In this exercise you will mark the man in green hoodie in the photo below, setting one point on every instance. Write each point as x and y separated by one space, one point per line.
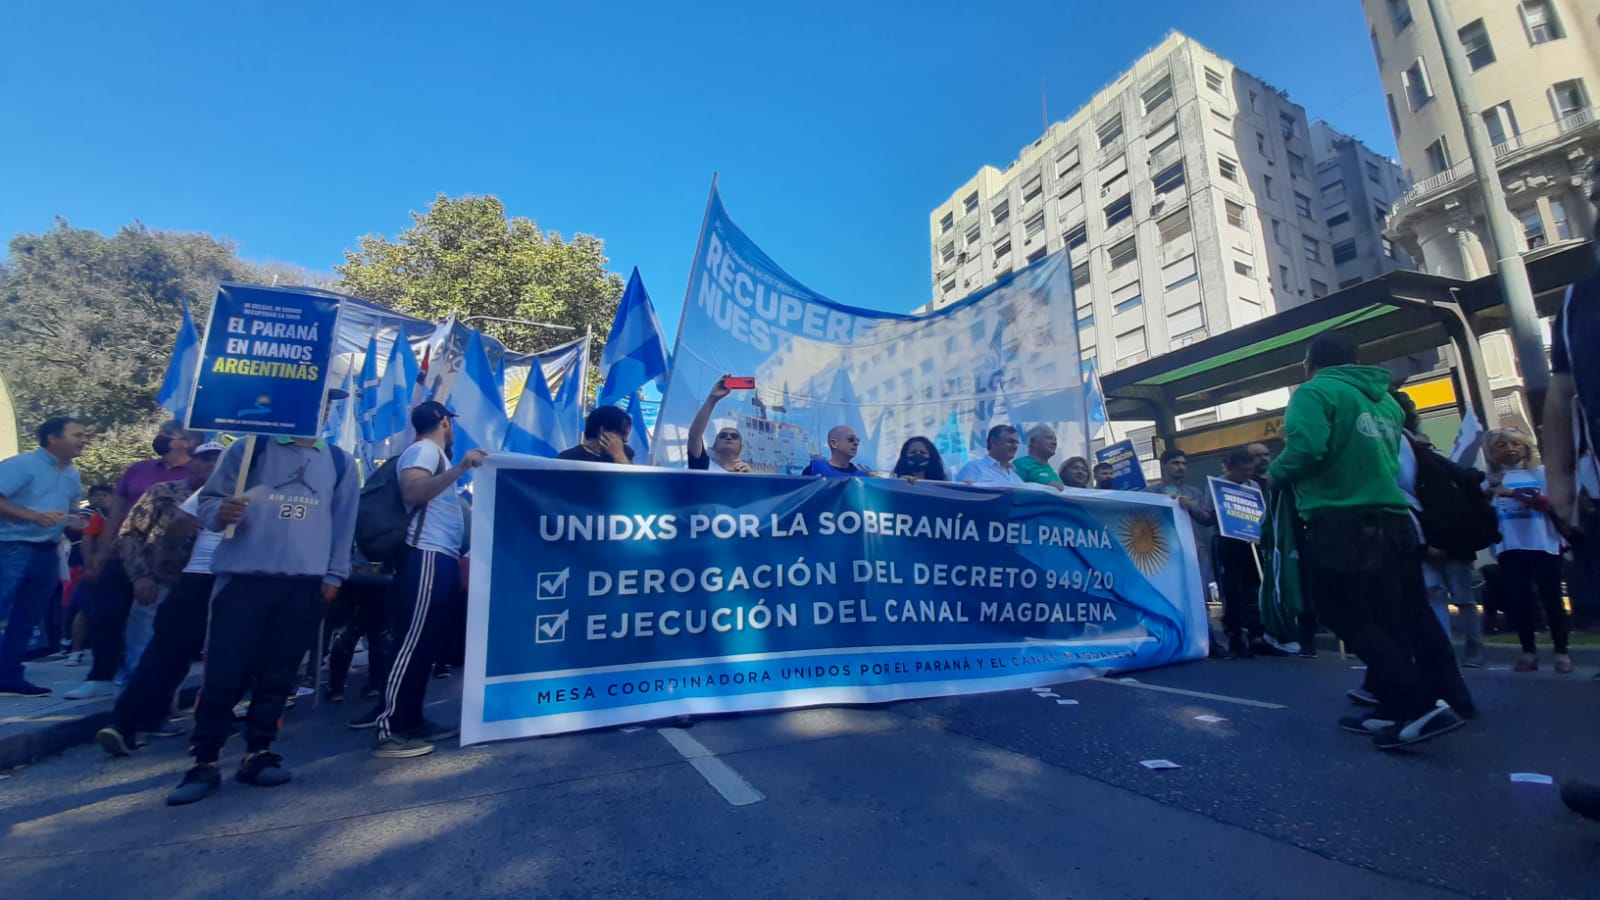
1341 455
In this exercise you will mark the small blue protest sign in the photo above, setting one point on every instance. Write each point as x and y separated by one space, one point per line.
1124 462
1241 508
264 361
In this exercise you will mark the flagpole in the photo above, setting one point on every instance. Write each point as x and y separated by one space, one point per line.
583 376
683 315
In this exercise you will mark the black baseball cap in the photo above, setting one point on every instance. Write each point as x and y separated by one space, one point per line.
427 415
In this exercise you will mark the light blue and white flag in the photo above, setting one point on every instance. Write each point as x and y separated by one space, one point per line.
569 398
392 419
477 401
639 434
177 386
369 392
538 429
636 351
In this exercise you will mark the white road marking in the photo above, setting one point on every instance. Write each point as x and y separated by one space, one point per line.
1224 698
730 784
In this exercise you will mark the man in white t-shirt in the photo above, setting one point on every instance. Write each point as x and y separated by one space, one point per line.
428 580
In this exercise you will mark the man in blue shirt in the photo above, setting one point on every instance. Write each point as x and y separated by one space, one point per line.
842 446
39 492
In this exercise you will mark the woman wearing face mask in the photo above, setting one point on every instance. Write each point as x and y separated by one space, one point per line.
1075 472
1529 549
919 461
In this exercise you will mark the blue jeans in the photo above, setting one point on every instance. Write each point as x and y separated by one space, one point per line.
30 572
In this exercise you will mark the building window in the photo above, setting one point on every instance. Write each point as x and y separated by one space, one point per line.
947 223
1400 14
1130 344
1033 188
1313 249
1119 210
974 234
1109 132
1214 81
949 287
1034 225
1067 163
1558 217
1071 198
1374 173
1000 213
1333 193
1235 213
1266 182
1131 303
1318 289
1302 203
1036 255
1086 321
1174 226
1080 276
947 252
1475 40
1297 165
1532 227
1377 50
1540 22
1169 179
1568 99
1002 248
1162 136
971 203
1419 90
1380 214
1122 254
1277 234
1283 277
1186 321
1344 251
1077 237
1340 219
1157 94
1388 248
1244 269
1394 118
1438 154
1501 123
1227 168
1286 123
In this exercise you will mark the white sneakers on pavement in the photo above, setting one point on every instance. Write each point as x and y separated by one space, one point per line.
92 690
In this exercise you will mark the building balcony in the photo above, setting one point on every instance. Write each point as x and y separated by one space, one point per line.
1521 147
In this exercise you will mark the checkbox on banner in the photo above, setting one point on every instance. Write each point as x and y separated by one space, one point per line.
550 629
553 585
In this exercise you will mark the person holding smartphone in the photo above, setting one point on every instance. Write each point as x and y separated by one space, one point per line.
1529 552
729 443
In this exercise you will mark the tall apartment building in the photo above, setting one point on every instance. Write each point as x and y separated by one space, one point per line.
1186 193
1356 188
1536 70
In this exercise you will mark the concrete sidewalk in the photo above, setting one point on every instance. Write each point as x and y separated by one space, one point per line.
32 728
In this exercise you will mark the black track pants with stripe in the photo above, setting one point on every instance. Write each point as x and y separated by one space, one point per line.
422 607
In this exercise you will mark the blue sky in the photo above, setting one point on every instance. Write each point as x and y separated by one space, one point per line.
294 127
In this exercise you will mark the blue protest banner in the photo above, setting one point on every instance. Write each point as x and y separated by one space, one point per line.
1124 462
603 595
1241 508
264 361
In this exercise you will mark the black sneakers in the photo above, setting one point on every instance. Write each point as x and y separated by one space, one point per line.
1439 720
115 742
401 746
1365 725
24 689
1361 696
263 769
1263 647
197 784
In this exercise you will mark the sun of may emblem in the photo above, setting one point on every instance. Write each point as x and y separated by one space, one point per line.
1145 542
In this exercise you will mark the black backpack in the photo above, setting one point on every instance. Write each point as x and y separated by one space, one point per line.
382 519
1457 516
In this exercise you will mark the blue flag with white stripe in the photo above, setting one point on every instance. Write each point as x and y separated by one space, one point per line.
177 386
538 429
636 350
477 401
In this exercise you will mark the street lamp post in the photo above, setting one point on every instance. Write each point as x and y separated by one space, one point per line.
1523 317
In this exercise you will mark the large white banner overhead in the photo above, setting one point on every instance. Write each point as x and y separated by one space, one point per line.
1006 355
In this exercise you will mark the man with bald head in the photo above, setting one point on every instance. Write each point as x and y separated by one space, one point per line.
1035 468
842 446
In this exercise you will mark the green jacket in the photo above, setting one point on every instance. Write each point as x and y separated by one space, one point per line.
1342 443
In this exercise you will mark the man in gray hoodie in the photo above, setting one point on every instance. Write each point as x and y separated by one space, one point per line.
295 521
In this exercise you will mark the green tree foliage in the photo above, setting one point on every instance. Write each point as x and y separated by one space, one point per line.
464 256
87 323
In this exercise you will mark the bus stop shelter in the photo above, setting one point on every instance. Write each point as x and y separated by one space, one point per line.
1389 317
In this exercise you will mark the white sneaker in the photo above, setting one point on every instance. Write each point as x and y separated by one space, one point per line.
74 658
92 690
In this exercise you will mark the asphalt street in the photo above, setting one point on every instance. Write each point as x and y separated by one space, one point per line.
1010 794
